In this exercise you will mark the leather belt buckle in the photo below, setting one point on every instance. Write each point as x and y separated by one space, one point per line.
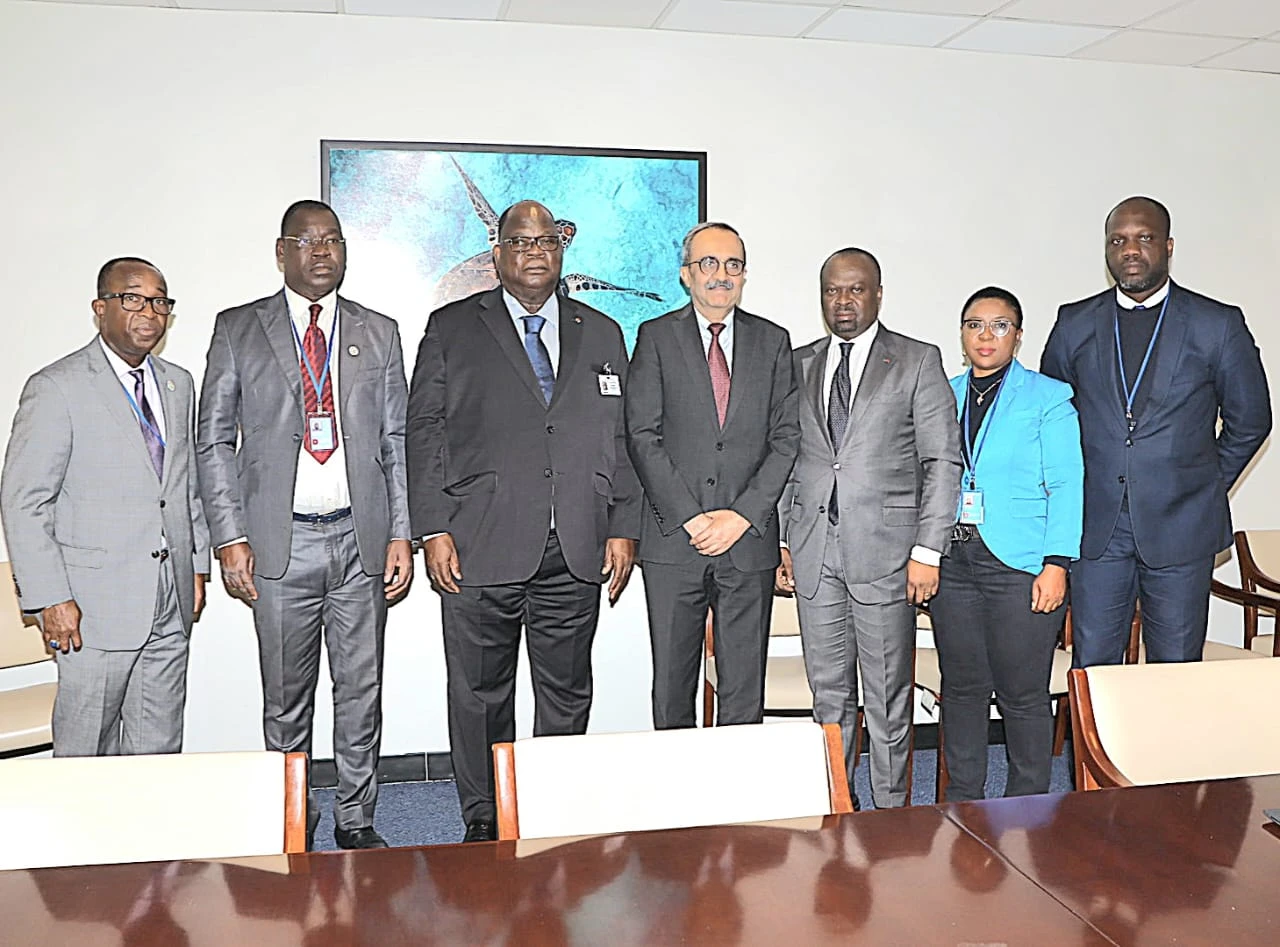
963 532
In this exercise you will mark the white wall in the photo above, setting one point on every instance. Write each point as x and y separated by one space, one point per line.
181 136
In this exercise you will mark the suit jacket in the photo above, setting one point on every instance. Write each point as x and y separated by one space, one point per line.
687 463
487 454
1176 466
1029 469
253 390
83 508
898 469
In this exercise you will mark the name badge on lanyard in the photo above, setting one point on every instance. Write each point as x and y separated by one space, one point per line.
322 426
1131 393
322 431
610 384
972 511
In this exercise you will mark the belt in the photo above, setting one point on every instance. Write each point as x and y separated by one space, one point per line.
318 518
963 532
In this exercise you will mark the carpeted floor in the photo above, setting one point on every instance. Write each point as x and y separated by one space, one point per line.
426 813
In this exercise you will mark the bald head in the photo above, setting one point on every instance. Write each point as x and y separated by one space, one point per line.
524 209
849 254
1146 206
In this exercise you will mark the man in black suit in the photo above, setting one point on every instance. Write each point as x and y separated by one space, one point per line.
520 486
713 429
1155 367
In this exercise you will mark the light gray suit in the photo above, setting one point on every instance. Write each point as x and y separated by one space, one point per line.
86 519
898 476
309 576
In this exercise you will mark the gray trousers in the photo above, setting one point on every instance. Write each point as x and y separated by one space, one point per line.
113 703
873 625
325 589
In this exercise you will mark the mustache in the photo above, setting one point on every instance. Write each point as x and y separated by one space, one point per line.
719 284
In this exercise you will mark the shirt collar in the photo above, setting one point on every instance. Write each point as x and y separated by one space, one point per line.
550 310
119 365
1155 299
704 322
865 339
300 307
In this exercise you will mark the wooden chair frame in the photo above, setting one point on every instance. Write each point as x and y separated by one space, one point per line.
1094 768
295 803
1251 596
507 796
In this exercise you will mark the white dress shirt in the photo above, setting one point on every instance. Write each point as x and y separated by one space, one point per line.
320 488
726 337
150 388
550 333
1151 302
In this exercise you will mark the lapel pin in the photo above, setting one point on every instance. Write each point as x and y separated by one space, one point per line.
353 350
888 361
577 320
169 384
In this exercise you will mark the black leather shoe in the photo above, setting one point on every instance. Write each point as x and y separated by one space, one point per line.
857 806
481 832
364 837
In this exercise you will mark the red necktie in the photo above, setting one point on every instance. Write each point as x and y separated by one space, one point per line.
316 353
719 371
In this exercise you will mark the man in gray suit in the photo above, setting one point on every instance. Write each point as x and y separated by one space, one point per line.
310 515
868 513
521 489
712 429
105 526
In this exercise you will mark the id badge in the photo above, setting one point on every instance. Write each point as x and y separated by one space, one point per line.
971 507
322 432
610 385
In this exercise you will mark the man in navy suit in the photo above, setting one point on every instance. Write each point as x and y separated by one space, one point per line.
1154 367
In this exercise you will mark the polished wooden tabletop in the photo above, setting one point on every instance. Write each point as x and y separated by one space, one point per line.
1154 865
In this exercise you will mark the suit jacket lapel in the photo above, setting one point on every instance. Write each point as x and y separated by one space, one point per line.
494 315
880 360
111 393
746 359
274 317
175 417
570 346
689 339
814 368
351 332
1168 350
1104 334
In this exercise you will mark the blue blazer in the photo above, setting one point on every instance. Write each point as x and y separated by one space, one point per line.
1030 469
1177 466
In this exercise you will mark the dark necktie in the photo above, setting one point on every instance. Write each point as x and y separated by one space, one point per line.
539 357
838 416
719 366
316 353
150 429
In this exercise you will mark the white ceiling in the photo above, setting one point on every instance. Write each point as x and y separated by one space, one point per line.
1217 34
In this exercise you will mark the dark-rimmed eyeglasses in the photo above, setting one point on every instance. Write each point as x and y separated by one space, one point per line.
135 302
997 327
315 243
709 264
547 243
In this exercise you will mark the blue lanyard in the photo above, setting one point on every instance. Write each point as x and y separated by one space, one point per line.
971 457
328 357
1131 393
133 403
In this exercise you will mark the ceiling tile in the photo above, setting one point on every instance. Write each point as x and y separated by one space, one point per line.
742 16
901 29
963 7
1093 12
1031 39
448 9
1255 57
586 12
273 6
1243 18
1170 49
122 3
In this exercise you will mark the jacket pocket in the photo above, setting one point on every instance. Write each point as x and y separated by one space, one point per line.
485 482
603 486
86 557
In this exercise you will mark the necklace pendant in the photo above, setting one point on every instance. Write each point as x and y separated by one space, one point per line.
980 397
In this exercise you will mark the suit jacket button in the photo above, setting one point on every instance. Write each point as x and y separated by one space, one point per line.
1121 479
822 509
720 445
297 437
551 428
546 472
711 481
835 466
155 554
162 504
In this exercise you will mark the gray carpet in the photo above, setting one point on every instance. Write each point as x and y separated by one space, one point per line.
427 813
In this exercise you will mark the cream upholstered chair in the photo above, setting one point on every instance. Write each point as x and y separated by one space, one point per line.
786 684
100 810
1133 725
26 711
601 783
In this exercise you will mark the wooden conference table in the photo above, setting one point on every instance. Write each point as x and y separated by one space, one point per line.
1188 864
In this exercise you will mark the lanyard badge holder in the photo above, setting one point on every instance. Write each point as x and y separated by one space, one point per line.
322 427
972 511
1131 393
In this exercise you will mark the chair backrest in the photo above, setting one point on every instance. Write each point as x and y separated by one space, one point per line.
785 622
1143 724
101 810
549 787
20 643
1259 553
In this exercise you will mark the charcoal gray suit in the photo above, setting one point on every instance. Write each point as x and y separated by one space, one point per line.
898 473
87 519
689 464
253 395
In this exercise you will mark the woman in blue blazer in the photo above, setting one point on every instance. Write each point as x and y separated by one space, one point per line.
999 605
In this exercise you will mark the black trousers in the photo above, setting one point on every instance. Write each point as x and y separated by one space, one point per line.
989 640
482 647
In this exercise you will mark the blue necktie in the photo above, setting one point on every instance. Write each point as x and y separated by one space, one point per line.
149 426
539 357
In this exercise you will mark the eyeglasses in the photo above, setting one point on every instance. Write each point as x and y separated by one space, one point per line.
133 302
997 327
709 264
315 243
547 243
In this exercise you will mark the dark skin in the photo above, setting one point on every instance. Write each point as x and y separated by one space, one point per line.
1138 248
850 292
132 336
312 273
531 277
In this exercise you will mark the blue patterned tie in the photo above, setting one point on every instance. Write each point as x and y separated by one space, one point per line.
149 427
838 417
539 357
